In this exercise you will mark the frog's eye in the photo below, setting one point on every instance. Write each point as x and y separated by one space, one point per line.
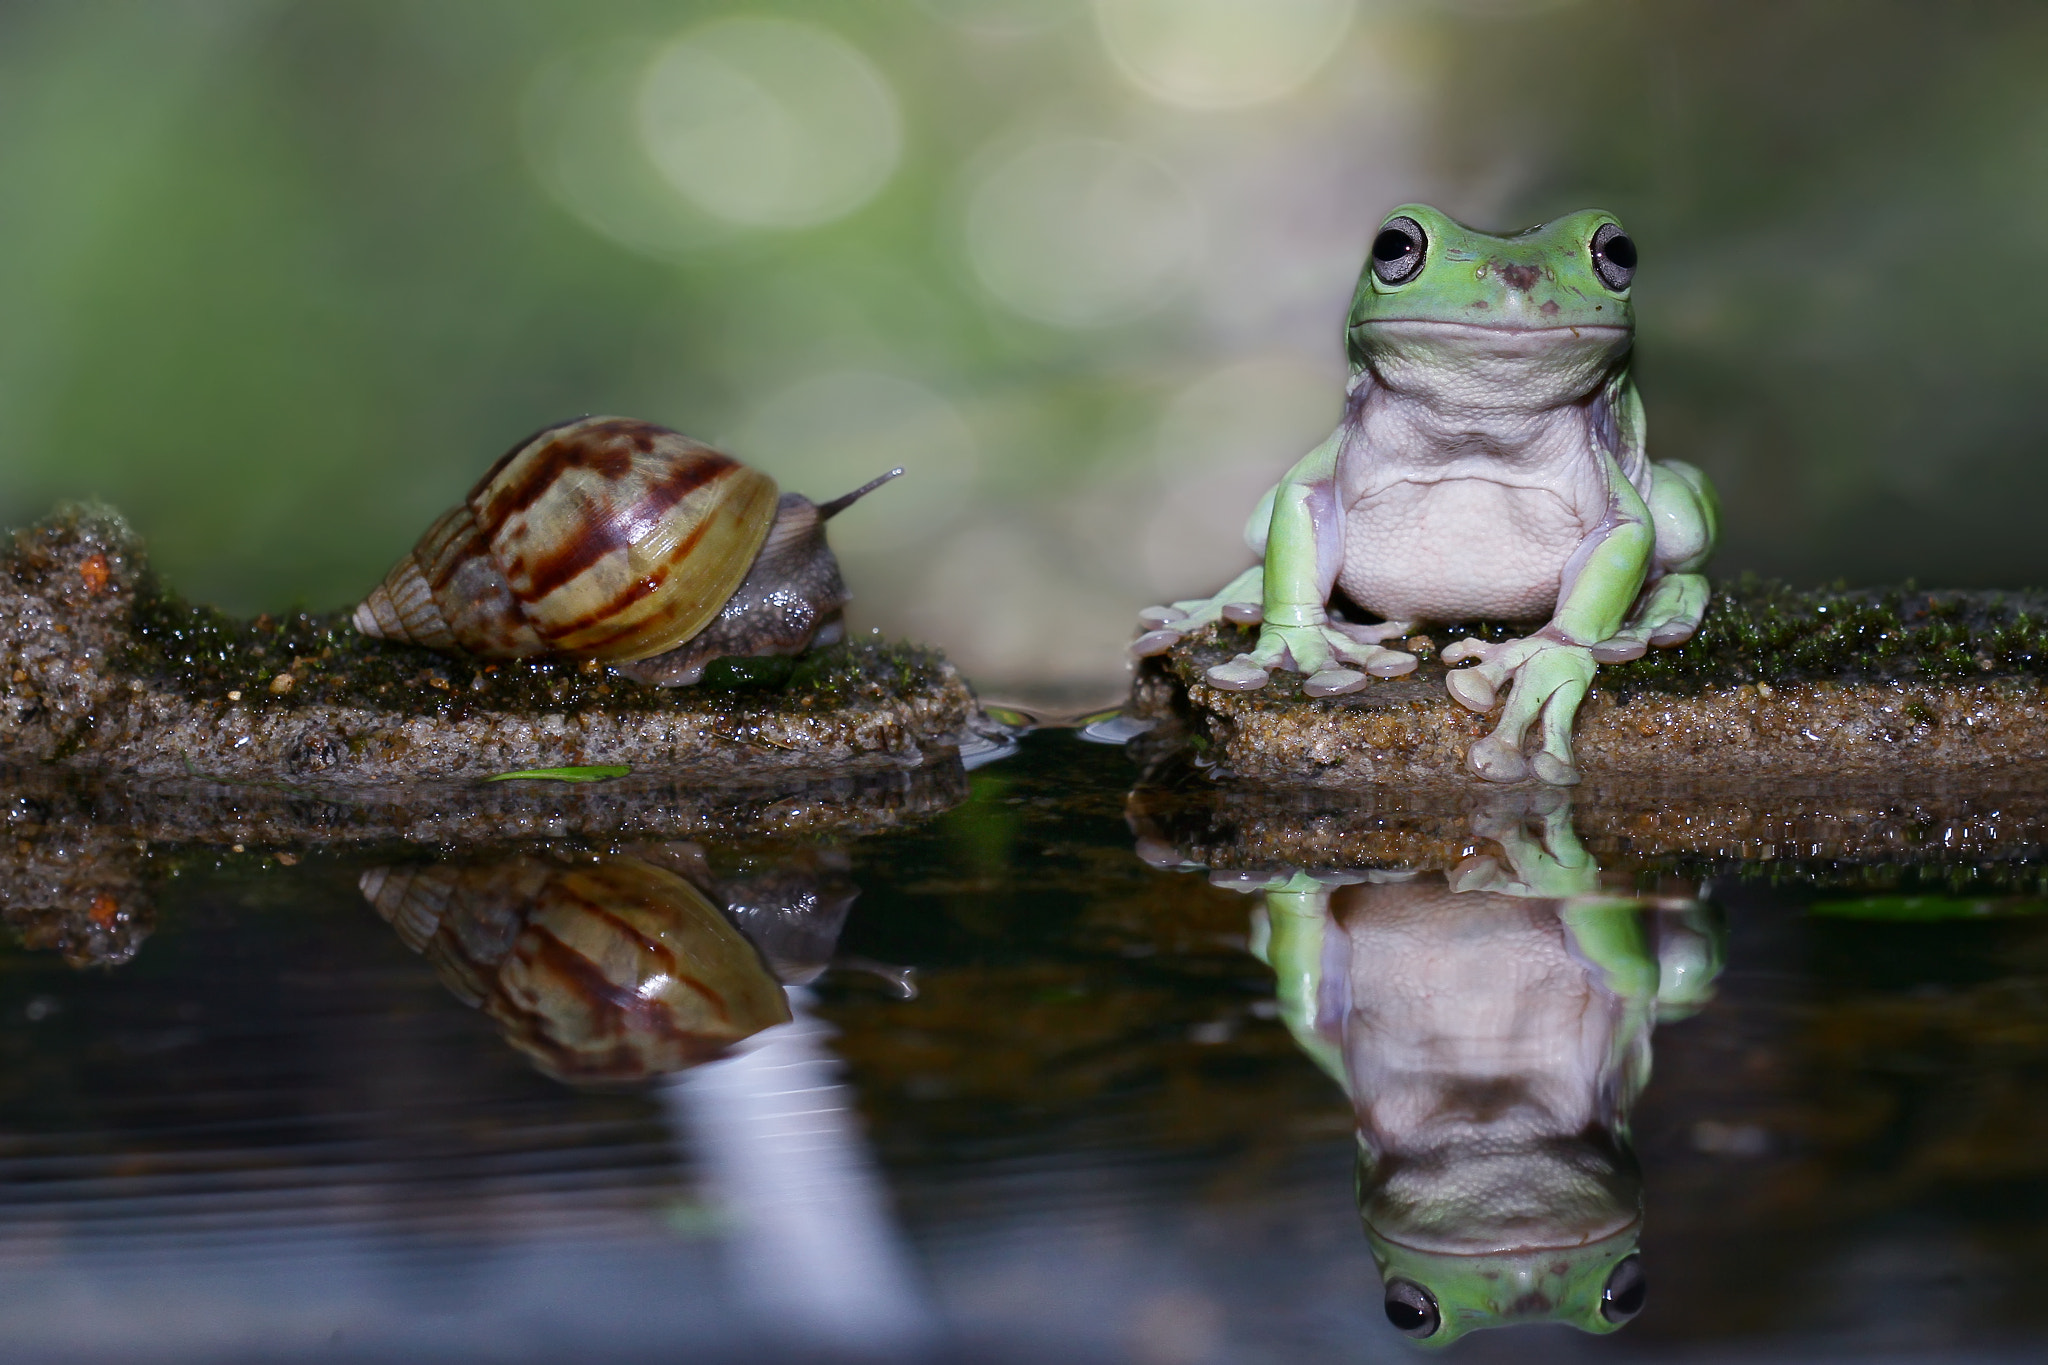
1614 257
1397 251
1627 1286
1412 1309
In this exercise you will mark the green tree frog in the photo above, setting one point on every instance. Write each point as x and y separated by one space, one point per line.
1492 1028
1489 465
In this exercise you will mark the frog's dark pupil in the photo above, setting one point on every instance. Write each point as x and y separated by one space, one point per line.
1392 245
1627 1288
1621 251
1411 1309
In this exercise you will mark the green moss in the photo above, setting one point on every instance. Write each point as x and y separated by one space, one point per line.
1758 630
1762 631
206 654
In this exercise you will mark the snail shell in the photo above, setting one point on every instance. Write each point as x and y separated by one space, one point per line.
608 971
614 539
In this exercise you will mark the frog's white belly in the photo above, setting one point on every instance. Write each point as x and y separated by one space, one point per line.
1458 549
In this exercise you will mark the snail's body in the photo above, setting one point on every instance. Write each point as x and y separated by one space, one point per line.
618 540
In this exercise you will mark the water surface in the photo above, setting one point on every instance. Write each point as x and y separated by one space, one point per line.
1036 1097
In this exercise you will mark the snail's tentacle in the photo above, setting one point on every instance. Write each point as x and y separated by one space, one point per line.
829 510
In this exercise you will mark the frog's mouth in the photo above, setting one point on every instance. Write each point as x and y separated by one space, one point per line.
1531 1243
1548 333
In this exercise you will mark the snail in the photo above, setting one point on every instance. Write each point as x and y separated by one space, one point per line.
603 971
618 540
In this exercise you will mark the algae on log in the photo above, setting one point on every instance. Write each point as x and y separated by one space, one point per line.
1777 683
102 670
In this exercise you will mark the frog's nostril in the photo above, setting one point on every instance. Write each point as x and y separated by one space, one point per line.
1522 277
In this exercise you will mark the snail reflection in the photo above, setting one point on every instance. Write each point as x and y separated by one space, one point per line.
613 968
646 966
1491 1026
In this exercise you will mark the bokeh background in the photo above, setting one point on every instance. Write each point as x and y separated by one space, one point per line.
279 279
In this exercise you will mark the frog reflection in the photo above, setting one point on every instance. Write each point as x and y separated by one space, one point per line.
618 967
1492 1027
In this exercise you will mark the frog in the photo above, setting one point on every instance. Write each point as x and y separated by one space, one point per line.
1489 465
1491 1026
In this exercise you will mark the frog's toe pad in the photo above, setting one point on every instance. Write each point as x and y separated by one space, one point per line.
1548 767
1238 676
1391 663
1471 689
1154 642
1619 651
1152 618
1672 633
1474 873
1332 682
1497 761
1244 613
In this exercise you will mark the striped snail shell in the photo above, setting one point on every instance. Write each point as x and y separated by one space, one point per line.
603 972
614 539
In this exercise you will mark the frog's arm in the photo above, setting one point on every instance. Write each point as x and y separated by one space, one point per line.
1607 933
1302 541
1553 668
1290 941
1686 516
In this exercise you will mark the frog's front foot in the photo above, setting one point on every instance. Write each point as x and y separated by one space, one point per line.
1550 677
1334 656
1667 616
1165 626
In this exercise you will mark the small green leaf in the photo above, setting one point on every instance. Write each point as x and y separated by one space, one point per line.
596 772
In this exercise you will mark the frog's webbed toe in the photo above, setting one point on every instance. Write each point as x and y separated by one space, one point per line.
1365 647
1498 759
1239 675
1332 682
1667 616
1549 680
1237 602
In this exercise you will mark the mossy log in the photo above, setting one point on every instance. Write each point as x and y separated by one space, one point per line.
102 670
1777 684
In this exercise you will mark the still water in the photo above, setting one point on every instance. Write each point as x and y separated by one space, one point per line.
1075 1059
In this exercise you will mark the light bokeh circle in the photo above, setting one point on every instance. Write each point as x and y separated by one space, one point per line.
824 434
1221 54
769 123
576 128
1082 232
1222 441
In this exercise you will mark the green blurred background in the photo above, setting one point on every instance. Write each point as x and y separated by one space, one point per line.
280 279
